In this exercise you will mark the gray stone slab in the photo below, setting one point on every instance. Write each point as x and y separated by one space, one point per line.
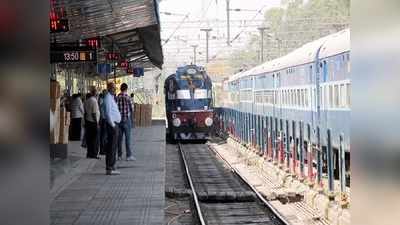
134 197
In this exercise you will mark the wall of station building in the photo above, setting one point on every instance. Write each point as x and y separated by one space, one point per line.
77 83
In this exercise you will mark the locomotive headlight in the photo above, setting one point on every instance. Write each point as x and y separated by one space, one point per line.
209 122
176 122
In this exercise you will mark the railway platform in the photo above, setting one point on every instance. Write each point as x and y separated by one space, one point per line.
136 196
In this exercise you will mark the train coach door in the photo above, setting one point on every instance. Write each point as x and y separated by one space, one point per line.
324 106
279 97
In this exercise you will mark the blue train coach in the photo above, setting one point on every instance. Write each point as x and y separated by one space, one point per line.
302 97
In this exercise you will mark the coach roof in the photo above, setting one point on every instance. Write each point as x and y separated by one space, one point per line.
331 45
337 44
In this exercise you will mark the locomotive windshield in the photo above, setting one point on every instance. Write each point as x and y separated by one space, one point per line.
190 81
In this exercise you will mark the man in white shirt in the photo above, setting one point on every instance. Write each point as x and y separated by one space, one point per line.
113 118
77 112
92 117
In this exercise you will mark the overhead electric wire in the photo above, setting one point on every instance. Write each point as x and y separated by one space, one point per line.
205 13
237 36
177 28
254 17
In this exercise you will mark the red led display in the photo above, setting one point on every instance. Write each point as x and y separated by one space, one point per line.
123 64
59 25
112 56
93 43
58 20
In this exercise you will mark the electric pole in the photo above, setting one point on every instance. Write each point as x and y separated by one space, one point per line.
228 32
194 53
262 29
207 30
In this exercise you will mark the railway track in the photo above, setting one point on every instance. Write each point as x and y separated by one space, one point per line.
219 195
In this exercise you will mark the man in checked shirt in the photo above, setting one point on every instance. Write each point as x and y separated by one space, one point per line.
125 108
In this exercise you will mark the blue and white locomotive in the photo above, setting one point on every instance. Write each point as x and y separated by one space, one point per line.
312 84
188 102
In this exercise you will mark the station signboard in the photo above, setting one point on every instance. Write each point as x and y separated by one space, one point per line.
138 71
104 68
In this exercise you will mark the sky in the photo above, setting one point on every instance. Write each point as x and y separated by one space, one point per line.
178 50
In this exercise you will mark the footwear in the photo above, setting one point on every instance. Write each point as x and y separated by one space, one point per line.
113 172
131 158
119 158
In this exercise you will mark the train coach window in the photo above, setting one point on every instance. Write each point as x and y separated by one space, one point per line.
258 97
298 98
286 98
337 96
301 98
312 103
279 100
342 96
348 95
293 97
283 97
330 104
323 96
306 97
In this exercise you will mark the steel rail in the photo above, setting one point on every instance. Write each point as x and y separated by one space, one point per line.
196 200
272 208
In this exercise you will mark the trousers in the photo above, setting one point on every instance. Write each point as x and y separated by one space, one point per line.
111 146
125 128
91 133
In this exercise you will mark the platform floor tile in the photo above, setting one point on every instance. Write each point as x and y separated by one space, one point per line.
134 197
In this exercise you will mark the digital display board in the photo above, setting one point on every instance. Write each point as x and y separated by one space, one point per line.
58 25
92 43
58 18
112 56
72 56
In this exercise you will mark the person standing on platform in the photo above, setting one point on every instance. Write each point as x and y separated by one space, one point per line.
83 143
113 118
103 124
125 108
77 112
92 117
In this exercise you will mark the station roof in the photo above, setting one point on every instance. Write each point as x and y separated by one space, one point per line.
131 27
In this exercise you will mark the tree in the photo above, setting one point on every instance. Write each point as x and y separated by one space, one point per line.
293 25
